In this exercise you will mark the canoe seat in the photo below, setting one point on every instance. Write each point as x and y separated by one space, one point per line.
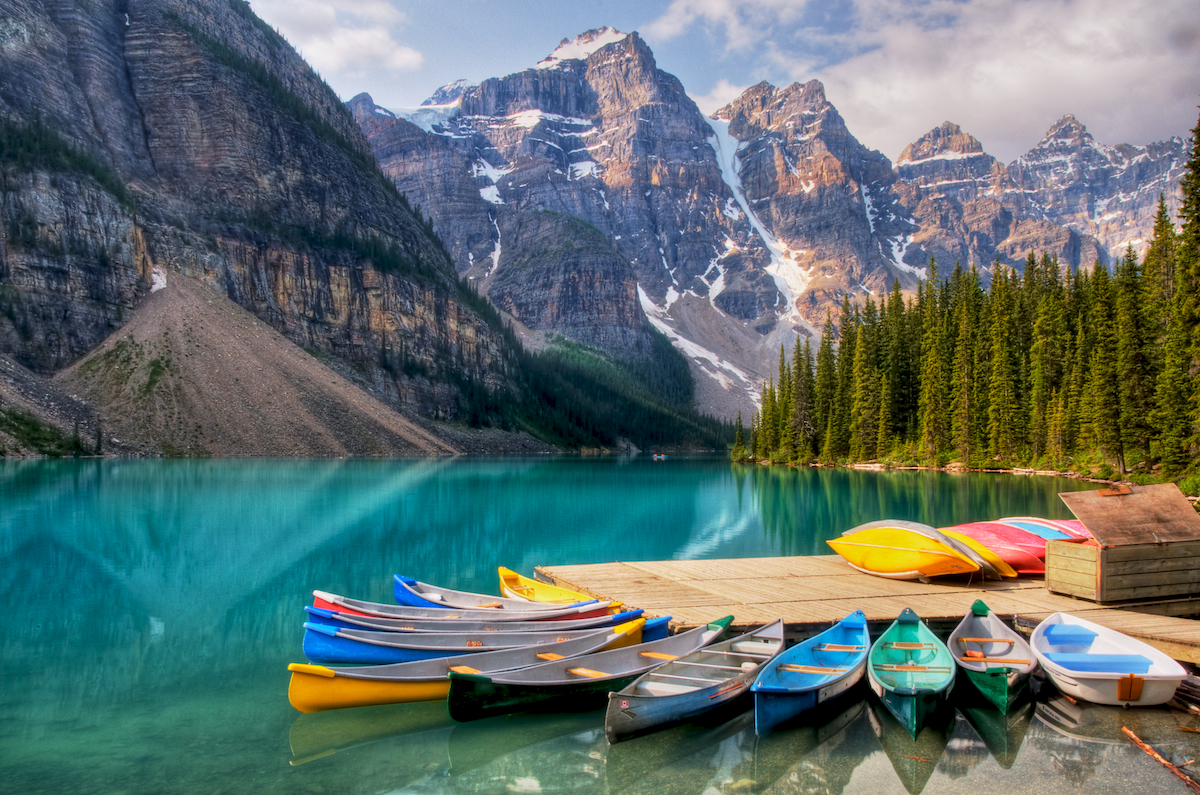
838 647
665 688
908 646
490 604
657 655
987 640
588 672
474 643
463 669
1068 635
1113 663
755 646
549 655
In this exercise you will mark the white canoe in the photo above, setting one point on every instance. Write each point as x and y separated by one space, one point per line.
1103 666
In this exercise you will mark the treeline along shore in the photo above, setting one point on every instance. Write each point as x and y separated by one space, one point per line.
1079 370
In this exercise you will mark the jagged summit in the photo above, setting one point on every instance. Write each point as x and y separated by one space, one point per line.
450 93
1068 127
582 46
946 142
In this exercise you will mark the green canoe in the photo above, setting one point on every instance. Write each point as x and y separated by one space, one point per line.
911 671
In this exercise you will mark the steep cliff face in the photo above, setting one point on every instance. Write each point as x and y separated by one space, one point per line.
191 137
968 210
1109 192
596 132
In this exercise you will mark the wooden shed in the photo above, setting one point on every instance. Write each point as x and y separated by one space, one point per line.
1147 546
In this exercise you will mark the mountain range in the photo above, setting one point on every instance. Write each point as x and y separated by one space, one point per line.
203 250
741 229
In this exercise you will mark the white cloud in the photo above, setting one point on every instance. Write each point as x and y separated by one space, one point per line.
1003 69
721 95
343 37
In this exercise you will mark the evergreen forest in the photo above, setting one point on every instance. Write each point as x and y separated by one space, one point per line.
1082 370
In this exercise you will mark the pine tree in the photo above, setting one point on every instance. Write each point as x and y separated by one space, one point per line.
738 453
1187 281
884 442
1158 269
825 391
933 370
845 379
963 387
1135 366
864 414
1106 402
1002 386
803 387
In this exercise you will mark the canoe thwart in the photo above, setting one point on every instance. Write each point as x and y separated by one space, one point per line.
987 640
588 672
908 646
463 669
810 669
886 667
657 655
657 676
838 647
549 655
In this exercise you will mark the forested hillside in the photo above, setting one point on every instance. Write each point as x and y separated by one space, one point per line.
1053 368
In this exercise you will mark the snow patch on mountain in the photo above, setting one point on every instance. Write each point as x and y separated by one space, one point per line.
713 365
429 117
582 46
790 277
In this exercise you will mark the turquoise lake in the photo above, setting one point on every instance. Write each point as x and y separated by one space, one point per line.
152 608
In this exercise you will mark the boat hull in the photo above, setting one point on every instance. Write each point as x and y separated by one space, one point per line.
472 697
411 593
1097 664
342 604
899 553
781 694
1003 689
312 690
659 699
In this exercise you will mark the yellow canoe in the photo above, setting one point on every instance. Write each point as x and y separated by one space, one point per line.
984 552
315 688
900 554
515 586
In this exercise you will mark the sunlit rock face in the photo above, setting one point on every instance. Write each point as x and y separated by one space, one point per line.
204 144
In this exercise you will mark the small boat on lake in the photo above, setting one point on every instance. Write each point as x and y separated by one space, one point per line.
811 673
516 586
413 593
688 686
343 604
1103 666
314 688
570 685
335 618
325 644
993 656
901 551
911 671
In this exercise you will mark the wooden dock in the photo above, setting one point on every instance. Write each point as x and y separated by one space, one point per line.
810 593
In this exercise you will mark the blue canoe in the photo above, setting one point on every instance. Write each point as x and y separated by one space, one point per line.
811 673
325 644
335 618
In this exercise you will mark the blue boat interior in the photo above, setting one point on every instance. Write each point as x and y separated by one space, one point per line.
1069 635
1042 531
1103 663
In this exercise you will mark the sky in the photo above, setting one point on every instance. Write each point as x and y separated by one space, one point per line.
1004 70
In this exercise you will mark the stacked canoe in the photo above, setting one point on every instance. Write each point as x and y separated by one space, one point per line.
490 656
1008 547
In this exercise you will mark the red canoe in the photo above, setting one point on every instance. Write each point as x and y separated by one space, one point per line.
1020 549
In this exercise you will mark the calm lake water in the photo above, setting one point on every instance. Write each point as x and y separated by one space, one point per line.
152 608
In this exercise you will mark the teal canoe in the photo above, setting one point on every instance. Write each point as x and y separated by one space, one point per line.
911 671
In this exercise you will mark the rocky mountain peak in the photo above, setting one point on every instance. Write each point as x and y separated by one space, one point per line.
582 46
449 93
799 110
1068 128
945 142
